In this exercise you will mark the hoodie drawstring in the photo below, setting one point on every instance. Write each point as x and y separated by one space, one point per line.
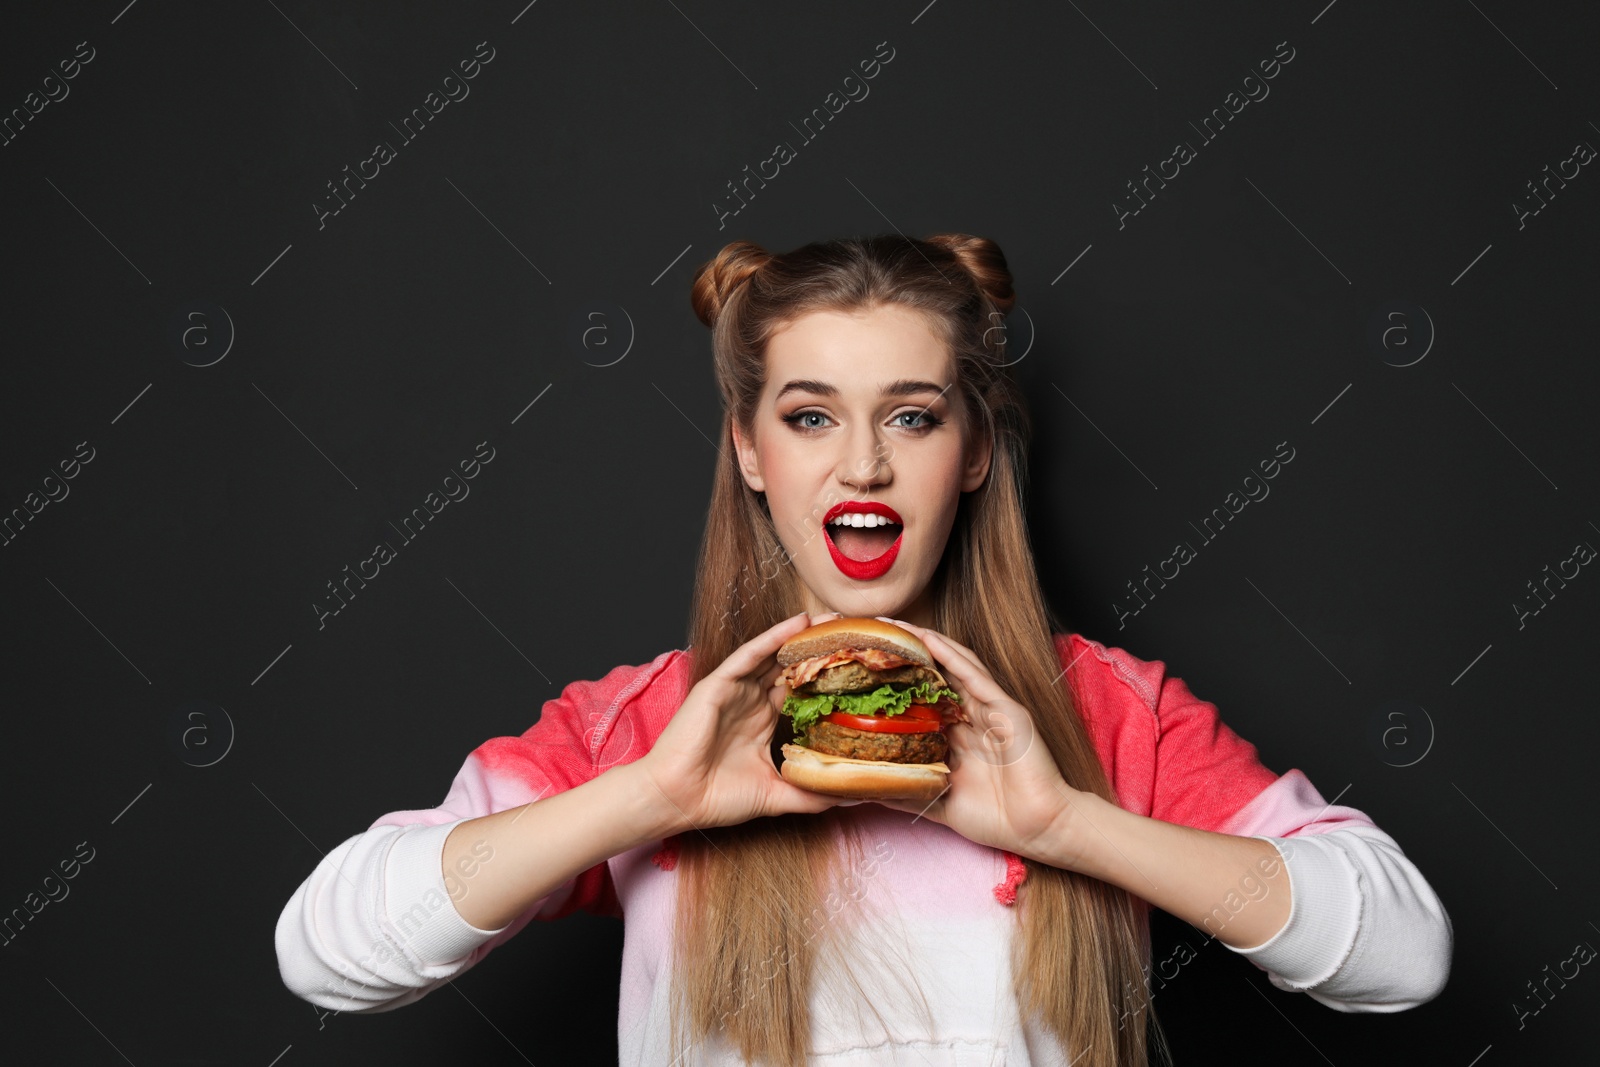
666 856
1016 872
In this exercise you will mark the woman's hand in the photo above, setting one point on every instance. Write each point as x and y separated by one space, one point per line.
712 764
1005 788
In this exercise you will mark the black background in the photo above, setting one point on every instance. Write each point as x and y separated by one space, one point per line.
373 352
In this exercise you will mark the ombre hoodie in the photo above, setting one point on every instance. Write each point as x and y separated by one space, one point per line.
373 928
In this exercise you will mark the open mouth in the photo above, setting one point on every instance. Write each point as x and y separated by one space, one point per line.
864 537
864 542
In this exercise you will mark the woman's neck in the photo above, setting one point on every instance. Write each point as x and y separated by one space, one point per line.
919 612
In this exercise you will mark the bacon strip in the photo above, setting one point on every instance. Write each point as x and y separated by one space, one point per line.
807 669
879 660
798 674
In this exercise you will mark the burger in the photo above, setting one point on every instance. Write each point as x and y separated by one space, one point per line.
869 712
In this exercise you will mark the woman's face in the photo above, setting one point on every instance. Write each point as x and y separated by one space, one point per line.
860 414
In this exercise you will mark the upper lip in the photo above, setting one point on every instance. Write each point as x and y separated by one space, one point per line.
865 507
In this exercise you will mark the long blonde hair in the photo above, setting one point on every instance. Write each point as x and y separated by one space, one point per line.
747 893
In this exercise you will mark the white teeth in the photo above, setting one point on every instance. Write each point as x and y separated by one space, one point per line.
861 518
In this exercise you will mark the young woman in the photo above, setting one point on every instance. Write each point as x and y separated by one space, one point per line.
1007 921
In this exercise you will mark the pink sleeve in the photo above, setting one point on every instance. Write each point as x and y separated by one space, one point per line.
374 927
1166 744
1205 773
1365 932
1168 754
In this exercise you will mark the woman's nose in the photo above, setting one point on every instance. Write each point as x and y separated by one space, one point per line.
866 466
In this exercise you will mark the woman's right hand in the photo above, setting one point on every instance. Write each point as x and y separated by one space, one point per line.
712 765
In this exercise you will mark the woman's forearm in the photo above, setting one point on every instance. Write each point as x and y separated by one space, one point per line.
497 866
1233 888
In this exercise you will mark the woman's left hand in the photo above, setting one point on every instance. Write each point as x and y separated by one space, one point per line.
1005 788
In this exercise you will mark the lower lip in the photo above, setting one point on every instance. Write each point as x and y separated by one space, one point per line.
864 570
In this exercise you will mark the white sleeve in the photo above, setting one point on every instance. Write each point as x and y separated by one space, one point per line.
1366 932
373 926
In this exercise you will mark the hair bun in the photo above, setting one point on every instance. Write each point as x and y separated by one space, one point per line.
983 260
717 278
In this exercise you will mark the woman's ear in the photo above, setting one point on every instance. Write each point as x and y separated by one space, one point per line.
976 467
749 462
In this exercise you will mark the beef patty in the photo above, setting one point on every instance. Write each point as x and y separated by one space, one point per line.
853 677
928 746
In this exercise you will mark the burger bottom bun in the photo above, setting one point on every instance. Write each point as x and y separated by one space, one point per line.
863 779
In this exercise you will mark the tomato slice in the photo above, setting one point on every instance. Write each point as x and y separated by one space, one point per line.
898 724
921 711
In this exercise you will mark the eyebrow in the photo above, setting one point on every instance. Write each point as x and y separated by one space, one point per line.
898 387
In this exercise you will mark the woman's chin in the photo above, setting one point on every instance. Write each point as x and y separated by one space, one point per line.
892 594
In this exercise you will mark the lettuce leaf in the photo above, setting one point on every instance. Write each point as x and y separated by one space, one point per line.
887 699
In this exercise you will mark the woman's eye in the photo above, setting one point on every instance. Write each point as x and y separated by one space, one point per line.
918 421
924 421
799 419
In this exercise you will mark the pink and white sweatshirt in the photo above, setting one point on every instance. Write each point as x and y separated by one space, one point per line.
373 927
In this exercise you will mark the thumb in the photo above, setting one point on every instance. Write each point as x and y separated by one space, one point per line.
793 798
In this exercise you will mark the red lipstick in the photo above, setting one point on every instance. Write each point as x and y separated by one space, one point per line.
863 570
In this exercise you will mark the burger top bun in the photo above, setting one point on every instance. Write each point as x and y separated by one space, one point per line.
835 634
